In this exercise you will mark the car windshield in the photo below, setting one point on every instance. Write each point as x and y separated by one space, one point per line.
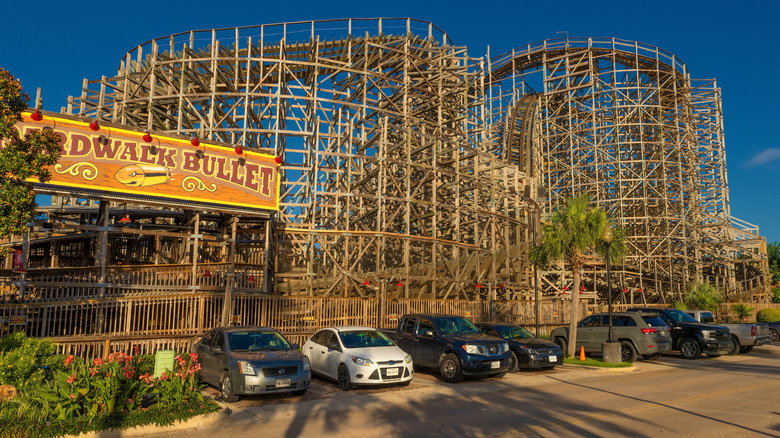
513 332
251 340
364 338
679 316
454 324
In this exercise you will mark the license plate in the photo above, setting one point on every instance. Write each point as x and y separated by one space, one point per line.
392 371
553 359
495 364
283 383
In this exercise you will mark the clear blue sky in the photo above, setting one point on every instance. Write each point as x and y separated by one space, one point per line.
55 44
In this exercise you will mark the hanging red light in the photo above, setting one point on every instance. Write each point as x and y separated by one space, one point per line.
365 282
125 220
37 116
278 159
94 126
478 286
207 274
565 288
147 137
582 289
238 150
251 278
195 141
399 284
625 290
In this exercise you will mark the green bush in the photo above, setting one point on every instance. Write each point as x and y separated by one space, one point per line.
27 361
742 311
703 296
679 305
768 315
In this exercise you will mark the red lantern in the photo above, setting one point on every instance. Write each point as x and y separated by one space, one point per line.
251 278
565 288
94 125
365 282
238 150
399 284
625 290
478 286
36 116
278 159
195 141
147 137
207 274
125 220
639 290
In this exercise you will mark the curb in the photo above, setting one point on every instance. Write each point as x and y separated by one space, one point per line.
630 369
203 421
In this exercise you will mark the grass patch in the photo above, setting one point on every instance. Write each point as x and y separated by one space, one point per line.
594 362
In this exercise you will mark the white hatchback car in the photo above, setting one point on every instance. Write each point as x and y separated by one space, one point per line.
356 355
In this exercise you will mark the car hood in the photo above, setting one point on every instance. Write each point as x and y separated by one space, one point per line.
377 354
532 343
702 326
267 356
475 337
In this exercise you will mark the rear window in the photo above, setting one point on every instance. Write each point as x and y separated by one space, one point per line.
654 321
706 317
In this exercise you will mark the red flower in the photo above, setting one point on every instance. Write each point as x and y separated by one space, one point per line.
98 361
194 357
68 360
72 378
136 350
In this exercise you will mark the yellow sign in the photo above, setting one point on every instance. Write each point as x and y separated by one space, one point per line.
119 160
17 320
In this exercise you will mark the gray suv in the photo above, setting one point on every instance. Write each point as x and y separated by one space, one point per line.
638 333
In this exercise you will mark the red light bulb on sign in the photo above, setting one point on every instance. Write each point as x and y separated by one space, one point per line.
278 159
36 116
147 137
94 125
238 150
195 141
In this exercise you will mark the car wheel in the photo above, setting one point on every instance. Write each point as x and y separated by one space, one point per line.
653 356
689 349
226 387
627 352
345 383
735 346
775 335
299 392
450 369
562 343
513 364
746 349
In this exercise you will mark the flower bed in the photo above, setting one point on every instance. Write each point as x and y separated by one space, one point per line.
60 395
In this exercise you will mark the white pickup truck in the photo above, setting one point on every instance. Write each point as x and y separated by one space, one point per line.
743 336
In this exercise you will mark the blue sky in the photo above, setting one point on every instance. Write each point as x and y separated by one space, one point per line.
55 44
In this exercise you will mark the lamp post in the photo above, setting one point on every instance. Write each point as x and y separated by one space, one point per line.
382 292
607 236
540 195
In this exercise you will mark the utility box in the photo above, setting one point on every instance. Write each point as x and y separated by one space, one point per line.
163 361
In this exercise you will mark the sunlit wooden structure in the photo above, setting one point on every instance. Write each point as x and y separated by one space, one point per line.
406 160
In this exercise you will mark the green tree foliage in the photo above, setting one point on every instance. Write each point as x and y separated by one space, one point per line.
569 236
21 158
768 315
773 253
703 296
742 311
679 305
776 294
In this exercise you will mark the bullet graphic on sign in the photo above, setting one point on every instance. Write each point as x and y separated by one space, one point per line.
142 175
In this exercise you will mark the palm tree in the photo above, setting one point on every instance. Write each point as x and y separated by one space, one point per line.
570 235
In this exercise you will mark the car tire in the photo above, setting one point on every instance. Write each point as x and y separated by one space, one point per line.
628 352
563 344
513 365
690 349
746 349
653 356
735 346
449 368
345 383
299 392
226 388
775 335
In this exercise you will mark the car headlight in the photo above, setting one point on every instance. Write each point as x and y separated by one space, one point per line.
246 368
306 364
528 350
471 349
408 358
708 334
362 361
504 347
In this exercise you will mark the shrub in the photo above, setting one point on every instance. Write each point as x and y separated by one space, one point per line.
768 315
679 305
27 361
742 311
776 294
704 296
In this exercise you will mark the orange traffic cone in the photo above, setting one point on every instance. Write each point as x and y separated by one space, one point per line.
582 353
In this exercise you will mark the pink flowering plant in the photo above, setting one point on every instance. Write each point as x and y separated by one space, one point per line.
182 382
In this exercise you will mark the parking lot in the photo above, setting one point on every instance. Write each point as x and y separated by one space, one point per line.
728 396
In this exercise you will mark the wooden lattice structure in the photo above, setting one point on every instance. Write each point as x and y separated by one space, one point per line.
406 159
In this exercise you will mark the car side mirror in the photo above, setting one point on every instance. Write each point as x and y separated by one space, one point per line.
216 349
295 346
333 346
427 332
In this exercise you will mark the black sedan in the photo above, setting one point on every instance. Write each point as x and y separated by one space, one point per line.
527 350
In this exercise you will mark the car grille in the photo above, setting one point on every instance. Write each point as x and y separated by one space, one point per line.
280 371
402 372
391 362
548 351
